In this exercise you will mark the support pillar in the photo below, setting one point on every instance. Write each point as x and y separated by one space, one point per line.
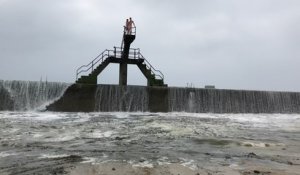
123 74
128 39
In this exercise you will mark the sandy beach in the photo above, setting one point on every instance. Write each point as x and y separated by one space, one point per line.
114 168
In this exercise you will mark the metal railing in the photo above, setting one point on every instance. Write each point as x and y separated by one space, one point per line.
158 74
131 31
134 53
91 65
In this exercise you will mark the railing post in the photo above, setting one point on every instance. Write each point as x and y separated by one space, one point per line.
134 53
92 65
115 51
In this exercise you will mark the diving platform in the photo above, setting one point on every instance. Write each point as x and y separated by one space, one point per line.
124 55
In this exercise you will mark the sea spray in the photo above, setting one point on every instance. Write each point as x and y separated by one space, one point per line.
29 95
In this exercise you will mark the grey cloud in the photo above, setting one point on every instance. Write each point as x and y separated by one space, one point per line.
232 44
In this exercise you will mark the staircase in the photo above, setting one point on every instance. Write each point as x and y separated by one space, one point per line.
96 66
152 78
91 78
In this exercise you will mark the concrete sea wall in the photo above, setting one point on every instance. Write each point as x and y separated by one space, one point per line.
87 98
26 95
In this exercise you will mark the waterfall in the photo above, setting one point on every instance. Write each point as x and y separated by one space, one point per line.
29 95
232 101
191 102
88 98
136 98
121 98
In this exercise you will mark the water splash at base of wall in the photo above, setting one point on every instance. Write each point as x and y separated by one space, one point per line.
29 95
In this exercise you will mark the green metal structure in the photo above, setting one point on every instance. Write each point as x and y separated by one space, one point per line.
124 55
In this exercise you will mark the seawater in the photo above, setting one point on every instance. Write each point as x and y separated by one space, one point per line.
51 142
35 142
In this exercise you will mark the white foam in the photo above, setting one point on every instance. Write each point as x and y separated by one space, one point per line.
6 154
48 116
143 164
100 134
41 116
259 144
186 114
91 160
62 138
80 117
120 114
52 156
163 161
174 130
105 155
287 122
37 135
234 166
189 163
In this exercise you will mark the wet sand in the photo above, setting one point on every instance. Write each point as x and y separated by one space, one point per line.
115 168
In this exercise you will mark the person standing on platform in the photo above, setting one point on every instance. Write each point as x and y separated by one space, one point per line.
129 25
126 26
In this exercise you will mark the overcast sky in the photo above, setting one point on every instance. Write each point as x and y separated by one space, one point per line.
232 44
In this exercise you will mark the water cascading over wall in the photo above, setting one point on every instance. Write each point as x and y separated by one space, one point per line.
121 98
88 98
26 95
232 101
29 95
91 98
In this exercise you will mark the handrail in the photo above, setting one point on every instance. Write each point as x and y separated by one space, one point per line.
134 53
132 32
158 74
92 63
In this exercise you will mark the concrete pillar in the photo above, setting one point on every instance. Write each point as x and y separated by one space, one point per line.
128 39
158 99
123 74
